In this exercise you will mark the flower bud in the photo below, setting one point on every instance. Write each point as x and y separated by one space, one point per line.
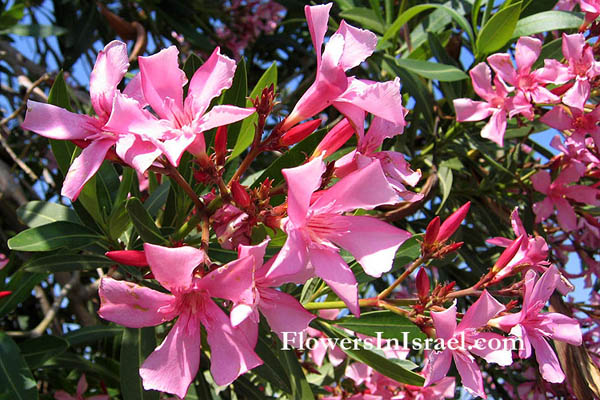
299 132
135 258
423 285
239 194
508 254
5 293
335 138
432 230
221 144
452 223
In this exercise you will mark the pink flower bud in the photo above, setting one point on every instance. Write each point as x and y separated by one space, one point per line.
221 144
334 139
423 284
452 223
508 254
299 132
135 258
5 293
432 230
239 194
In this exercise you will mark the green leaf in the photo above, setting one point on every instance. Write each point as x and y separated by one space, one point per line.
37 213
66 262
300 387
271 369
107 186
21 284
191 65
125 185
92 334
546 21
118 221
16 380
105 369
143 222
430 70
377 362
445 179
39 31
137 344
157 198
386 324
413 11
498 30
365 17
37 351
59 93
53 236
12 16
235 96
246 134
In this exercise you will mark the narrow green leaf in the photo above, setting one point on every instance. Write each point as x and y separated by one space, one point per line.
59 93
235 96
105 369
66 262
125 185
137 344
35 30
92 334
21 284
191 65
430 70
12 16
107 186
37 351
37 213
271 369
16 380
386 324
445 179
300 387
157 198
143 222
498 30
53 236
546 21
365 17
377 362
118 221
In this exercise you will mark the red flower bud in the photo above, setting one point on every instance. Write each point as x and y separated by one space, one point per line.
432 230
239 194
335 138
423 285
221 145
135 258
508 254
299 132
5 293
560 90
452 223
450 248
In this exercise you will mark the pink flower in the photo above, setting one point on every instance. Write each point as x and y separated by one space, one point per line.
557 193
534 328
3 260
316 229
54 122
173 365
497 104
82 386
182 122
576 121
467 332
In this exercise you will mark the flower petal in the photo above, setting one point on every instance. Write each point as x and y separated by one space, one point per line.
84 167
438 364
290 263
57 123
358 45
470 374
546 358
173 267
485 308
317 18
564 328
527 52
283 312
111 66
220 116
233 281
445 322
468 110
302 181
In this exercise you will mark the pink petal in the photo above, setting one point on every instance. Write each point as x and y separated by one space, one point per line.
354 115
240 313
132 305
222 115
529 285
578 94
564 328
568 175
546 358
174 148
583 194
572 46
136 152
231 355
372 242
82 385
516 223
379 130
173 365
162 80
445 322
503 66
438 365
495 128
545 286
290 262
527 52
481 76
501 356
468 110
283 312
558 118
233 281
214 76
257 252
62 395
365 188
332 268
57 123
134 90
173 267
470 374
317 18
302 181
358 372
110 68
128 117
541 181
554 72
84 167
543 209
358 45
567 219
484 309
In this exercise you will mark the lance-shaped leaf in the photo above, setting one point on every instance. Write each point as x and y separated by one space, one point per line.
16 380
53 236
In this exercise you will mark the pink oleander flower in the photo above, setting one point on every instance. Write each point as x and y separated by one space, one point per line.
82 386
397 171
528 83
575 121
566 5
581 66
182 121
577 153
283 312
54 122
316 228
535 328
497 104
173 365
558 192
591 9
3 261
467 332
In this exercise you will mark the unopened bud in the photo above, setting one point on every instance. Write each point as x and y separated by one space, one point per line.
423 285
335 138
508 254
239 194
447 289
449 249
134 258
452 223
299 132
221 144
432 230
5 293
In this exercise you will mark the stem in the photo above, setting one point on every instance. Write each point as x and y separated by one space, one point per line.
331 305
174 174
245 164
401 278
188 226
205 232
